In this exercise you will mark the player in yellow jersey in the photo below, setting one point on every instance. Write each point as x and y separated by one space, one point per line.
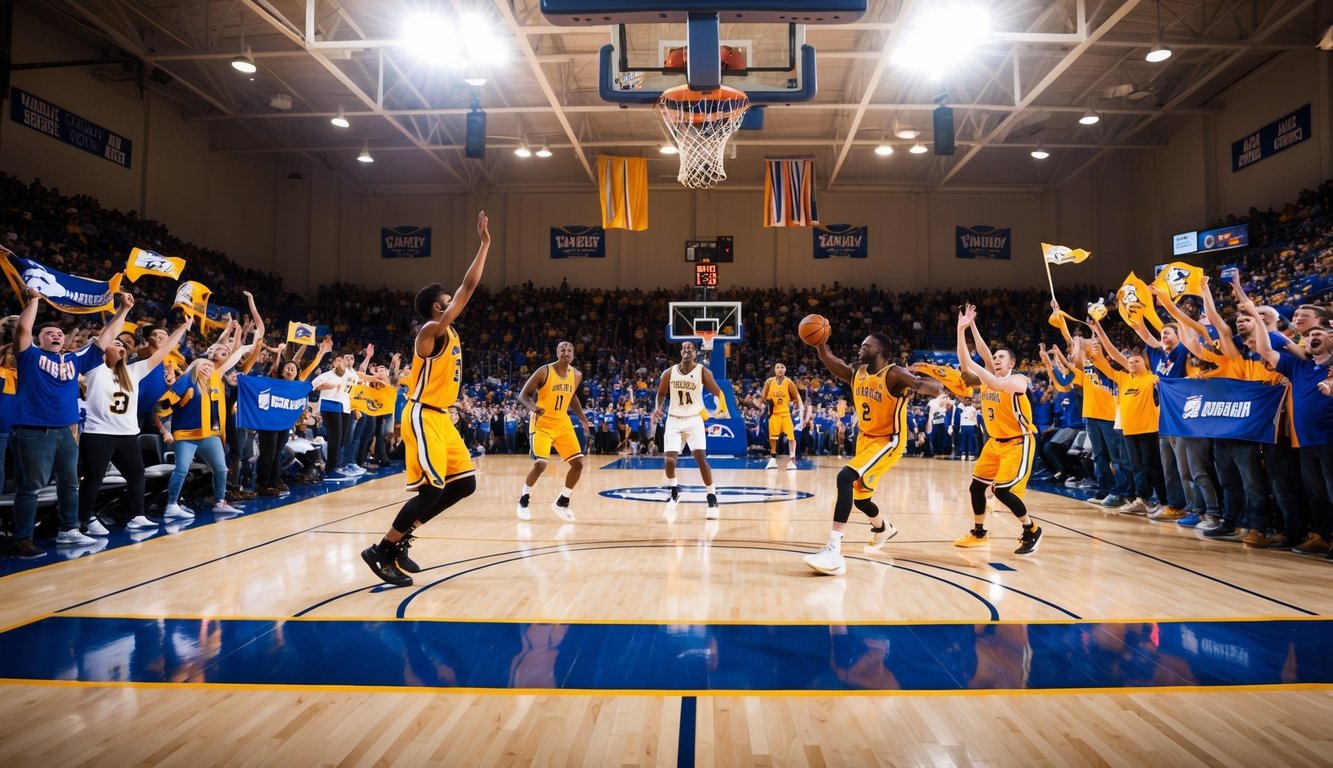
439 467
551 393
784 405
879 397
1005 462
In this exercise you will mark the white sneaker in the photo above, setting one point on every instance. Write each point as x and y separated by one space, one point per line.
140 523
1135 507
772 464
791 465
354 469
95 528
877 538
177 512
564 513
74 537
713 512
827 561
522 509
223 508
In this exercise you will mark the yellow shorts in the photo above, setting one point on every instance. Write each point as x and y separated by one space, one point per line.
434 450
874 456
563 439
779 425
1007 463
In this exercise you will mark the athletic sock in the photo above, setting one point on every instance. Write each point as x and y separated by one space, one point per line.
835 541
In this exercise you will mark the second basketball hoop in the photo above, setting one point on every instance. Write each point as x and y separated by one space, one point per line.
700 123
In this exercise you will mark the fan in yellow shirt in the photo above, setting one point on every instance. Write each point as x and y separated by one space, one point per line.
1138 401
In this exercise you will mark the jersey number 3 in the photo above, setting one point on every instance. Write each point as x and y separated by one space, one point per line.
120 403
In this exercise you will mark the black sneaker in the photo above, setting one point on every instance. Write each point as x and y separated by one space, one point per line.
384 567
404 562
24 548
522 510
675 494
714 511
1029 541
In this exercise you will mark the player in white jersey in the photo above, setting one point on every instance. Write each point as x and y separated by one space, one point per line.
682 386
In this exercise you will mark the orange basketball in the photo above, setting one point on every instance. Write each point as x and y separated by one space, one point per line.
814 330
675 59
733 59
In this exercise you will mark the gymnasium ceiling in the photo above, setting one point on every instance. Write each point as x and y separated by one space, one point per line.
1045 63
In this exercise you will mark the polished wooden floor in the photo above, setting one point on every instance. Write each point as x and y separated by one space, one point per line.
624 560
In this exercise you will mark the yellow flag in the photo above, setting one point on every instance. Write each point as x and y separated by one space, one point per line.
144 262
1180 279
1134 301
372 400
300 333
623 186
175 360
950 377
1097 310
1059 254
192 298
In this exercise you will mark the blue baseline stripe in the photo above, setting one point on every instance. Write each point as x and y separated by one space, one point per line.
689 712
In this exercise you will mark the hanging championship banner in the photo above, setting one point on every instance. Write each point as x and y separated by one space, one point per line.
841 241
63 125
575 241
1228 408
404 242
981 242
1283 133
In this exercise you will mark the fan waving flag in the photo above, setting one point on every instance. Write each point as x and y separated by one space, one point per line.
144 262
623 184
1136 303
271 405
1059 254
300 333
192 298
1180 279
789 193
67 293
950 377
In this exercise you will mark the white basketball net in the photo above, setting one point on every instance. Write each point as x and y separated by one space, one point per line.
700 125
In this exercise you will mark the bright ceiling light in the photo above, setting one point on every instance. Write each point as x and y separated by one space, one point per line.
1039 154
523 150
545 151
365 157
883 150
1090 118
339 120
668 149
918 149
941 36
245 62
906 134
1158 53
481 41
430 38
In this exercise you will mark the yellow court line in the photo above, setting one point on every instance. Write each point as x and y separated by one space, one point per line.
26 622
708 693
674 622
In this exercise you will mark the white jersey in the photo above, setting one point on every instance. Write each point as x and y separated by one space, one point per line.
685 392
967 415
337 399
110 410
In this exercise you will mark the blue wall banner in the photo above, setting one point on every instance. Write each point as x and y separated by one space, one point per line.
1283 133
63 125
982 242
404 242
842 241
1241 410
574 241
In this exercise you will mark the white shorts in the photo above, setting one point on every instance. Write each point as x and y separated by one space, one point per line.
688 430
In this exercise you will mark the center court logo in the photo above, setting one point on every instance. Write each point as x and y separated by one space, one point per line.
720 430
696 494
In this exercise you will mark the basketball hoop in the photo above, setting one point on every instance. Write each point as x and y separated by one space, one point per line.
700 123
706 339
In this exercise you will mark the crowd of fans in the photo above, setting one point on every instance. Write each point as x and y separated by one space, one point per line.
619 339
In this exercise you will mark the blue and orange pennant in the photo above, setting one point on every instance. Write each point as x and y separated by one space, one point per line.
789 192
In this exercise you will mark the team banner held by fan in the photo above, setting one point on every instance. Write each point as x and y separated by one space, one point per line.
67 293
950 377
1180 279
372 400
144 262
622 183
1135 303
841 241
216 317
1225 408
982 242
1060 254
789 192
574 241
300 333
192 298
271 405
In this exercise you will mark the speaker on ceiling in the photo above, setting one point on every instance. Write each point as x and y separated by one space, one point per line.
476 134
943 130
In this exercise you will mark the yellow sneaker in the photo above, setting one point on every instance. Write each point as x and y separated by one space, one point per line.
973 540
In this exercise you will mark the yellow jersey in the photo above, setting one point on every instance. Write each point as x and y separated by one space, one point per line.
434 380
1139 402
554 396
1098 394
780 395
879 413
1007 414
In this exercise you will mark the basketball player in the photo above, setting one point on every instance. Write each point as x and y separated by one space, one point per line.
439 468
682 386
550 393
879 399
783 400
1005 462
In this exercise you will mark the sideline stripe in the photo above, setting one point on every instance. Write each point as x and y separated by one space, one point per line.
689 707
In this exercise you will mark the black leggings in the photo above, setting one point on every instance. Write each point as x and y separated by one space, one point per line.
270 457
335 425
431 501
98 451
